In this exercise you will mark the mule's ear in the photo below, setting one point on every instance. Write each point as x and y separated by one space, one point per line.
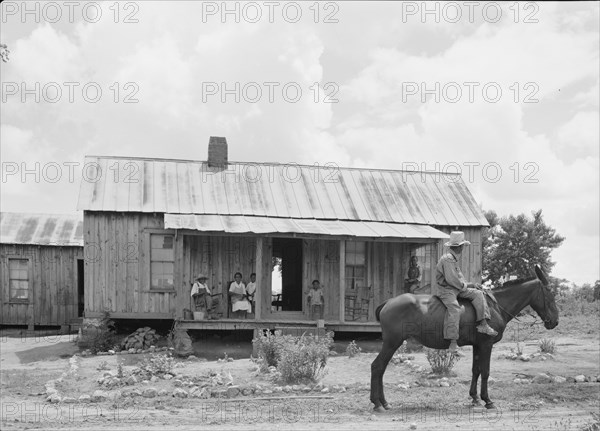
540 274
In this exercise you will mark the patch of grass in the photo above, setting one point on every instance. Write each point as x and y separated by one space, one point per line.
547 345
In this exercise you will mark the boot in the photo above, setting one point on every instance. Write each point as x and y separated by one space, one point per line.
486 329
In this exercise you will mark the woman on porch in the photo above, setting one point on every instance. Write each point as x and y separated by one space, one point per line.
240 305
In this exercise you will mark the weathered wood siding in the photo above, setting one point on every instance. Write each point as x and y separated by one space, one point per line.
52 285
117 265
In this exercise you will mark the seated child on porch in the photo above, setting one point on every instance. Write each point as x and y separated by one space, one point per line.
240 305
316 300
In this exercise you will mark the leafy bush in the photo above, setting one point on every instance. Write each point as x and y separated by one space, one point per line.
269 347
304 359
142 338
547 345
100 334
352 349
441 361
157 364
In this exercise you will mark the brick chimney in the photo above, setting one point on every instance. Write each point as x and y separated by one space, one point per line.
217 152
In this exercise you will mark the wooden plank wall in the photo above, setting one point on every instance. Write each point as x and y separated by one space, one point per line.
52 284
117 265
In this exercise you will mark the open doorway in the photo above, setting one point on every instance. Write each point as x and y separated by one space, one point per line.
286 278
80 289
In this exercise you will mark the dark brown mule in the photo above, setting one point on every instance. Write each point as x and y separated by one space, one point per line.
422 317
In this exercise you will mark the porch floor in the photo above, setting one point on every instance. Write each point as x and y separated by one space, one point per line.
251 324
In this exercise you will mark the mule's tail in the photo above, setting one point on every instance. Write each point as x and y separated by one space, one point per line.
378 310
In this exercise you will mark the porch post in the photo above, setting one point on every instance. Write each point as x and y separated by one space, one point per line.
342 286
259 278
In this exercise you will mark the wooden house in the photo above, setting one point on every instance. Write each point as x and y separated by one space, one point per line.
41 261
153 224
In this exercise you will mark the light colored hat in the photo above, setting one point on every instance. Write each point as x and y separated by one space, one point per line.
200 276
457 238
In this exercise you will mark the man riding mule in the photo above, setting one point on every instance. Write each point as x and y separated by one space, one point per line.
452 285
422 317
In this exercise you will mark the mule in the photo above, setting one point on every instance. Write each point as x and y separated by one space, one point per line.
422 317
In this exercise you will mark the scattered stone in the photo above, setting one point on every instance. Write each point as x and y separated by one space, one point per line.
178 383
99 396
333 353
111 352
559 379
306 389
131 380
524 358
229 359
167 376
233 391
84 399
69 400
580 378
149 393
542 378
295 388
139 351
517 381
54 398
180 393
192 357
570 379
445 384
287 389
154 379
267 391
162 393
247 391
325 390
589 378
131 351
277 389
342 389
135 393
145 382
258 392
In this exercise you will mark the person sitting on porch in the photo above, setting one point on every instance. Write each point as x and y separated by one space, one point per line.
240 305
251 289
414 275
201 295
316 300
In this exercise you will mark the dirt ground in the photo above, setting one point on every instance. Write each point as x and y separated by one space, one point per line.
28 363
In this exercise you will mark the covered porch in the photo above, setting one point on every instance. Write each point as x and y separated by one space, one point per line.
359 265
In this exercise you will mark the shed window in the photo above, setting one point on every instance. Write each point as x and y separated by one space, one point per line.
18 279
161 261
356 264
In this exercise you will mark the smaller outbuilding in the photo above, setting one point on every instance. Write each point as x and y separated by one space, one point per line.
42 264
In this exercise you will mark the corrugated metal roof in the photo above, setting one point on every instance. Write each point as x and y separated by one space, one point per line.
277 190
41 229
274 225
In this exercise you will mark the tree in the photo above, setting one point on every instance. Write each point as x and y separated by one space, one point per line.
4 52
514 244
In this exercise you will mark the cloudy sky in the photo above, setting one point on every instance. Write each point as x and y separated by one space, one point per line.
510 96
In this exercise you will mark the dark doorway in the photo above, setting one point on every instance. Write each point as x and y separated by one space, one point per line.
287 254
80 289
